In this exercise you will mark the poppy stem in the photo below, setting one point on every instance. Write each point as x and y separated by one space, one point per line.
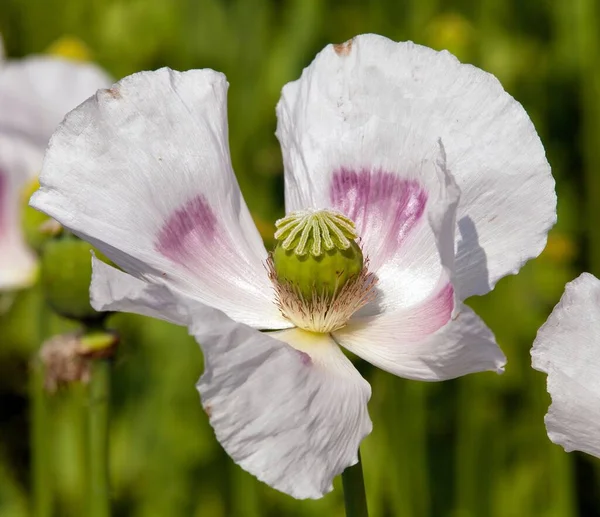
98 417
41 444
355 498
41 433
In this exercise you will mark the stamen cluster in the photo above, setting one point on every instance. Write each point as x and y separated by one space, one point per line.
322 312
317 230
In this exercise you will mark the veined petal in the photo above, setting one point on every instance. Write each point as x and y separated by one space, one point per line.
293 416
409 345
143 172
17 159
421 263
567 348
37 92
435 338
114 290
354 109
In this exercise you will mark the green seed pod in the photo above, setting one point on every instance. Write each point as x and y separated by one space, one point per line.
65 273
316 253
324 274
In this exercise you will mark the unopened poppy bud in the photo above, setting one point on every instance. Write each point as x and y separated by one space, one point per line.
66 272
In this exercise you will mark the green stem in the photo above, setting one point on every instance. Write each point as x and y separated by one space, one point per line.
416 398
41 451
355 499
41 436
98 414
470 479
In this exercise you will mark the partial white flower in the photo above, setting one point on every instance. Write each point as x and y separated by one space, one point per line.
378 140
35 94
567 348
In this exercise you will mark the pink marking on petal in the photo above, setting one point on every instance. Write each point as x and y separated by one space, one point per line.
439 307
432 314
305 358
3 200
189 229
380 204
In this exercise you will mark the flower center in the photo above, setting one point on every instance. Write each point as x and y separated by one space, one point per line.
318 270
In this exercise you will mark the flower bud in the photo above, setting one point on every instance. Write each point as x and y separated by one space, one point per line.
66 272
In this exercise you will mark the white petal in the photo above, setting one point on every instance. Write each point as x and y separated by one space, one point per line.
293 417
143 172
17 263
409 344
113 290
37 92
357 104
567 348
423 262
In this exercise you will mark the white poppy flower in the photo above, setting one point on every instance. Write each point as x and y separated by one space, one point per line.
35 94
375 135
568 350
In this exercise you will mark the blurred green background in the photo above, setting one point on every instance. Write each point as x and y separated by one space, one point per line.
473 447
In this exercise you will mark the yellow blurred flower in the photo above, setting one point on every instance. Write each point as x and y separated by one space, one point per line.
561 248
450 31
70 47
